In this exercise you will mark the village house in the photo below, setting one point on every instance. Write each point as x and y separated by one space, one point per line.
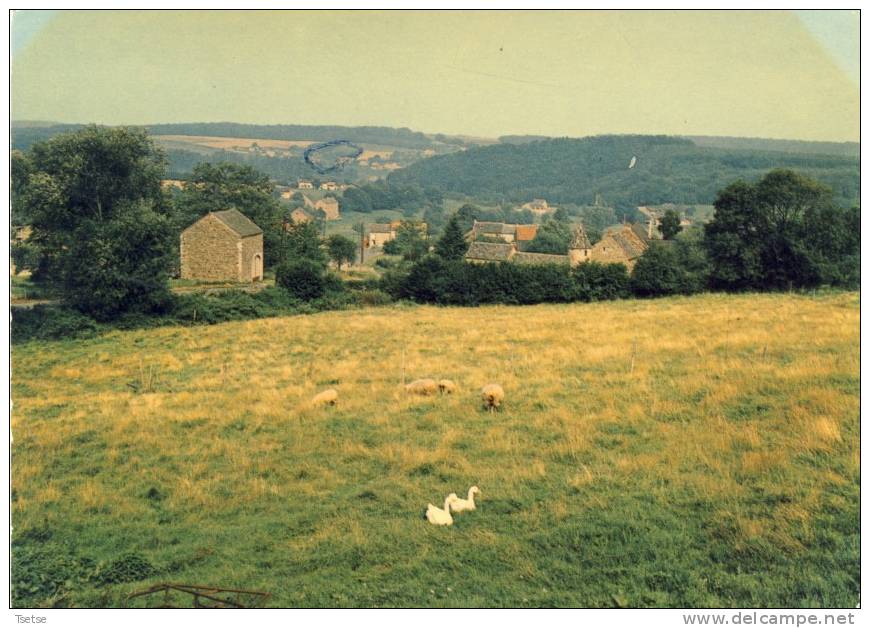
167 184
623 245
538 206
329 185
521 234
299 215
329 205
222 246
380 233
305 184
483 252
620 246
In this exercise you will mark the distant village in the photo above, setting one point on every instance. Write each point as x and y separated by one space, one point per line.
227 246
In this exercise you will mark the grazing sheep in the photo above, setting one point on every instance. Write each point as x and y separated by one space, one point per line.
493 396
326 398
446 387
422 387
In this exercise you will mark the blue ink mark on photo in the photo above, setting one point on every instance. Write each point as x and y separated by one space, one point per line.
339 162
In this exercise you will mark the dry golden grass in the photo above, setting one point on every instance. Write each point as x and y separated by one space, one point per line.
731 400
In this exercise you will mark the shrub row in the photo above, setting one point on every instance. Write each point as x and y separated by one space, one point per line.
434 280
46 322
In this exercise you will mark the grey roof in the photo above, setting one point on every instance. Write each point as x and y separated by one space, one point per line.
640 231
539 258
490 251
494 227
238 222
628 245
380 228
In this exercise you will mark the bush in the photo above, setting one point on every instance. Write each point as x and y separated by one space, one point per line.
658 273
302 278
433 280
600 282
45 322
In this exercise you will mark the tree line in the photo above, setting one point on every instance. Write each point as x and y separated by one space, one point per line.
104 236
666 169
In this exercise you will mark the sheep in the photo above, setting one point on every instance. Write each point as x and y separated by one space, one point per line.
422 387
328 397
447 387
493 396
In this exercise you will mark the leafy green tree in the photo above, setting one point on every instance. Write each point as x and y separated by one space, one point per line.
303 278
561 215
302 241
100 221
553 236
452 244
670 224
762 234
409 242
658 272
467 214
341 249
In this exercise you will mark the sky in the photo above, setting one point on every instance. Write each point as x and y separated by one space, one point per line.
777 74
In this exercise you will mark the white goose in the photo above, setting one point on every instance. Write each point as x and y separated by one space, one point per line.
439 517
461 505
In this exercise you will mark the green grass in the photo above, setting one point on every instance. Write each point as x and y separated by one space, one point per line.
721 470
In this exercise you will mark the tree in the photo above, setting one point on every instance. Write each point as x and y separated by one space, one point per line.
765 235
302 241
553 236
341 249
100 222
216 187
658 272
452 244
670 224
561 215
303 278
467 214
409 242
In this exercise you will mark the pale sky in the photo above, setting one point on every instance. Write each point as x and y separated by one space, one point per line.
755 74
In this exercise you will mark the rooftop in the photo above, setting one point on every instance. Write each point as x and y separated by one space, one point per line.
490 251
238 222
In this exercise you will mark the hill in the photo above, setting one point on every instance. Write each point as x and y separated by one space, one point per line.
668 169
276 150
686 452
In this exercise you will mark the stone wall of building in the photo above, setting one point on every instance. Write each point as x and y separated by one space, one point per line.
252 246
209 251
608 251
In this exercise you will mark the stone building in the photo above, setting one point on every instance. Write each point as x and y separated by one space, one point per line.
299 215
623 245
483 252
380 234
521 234
222 246
329 205
538 206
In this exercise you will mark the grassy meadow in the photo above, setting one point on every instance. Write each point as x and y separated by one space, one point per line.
698 451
